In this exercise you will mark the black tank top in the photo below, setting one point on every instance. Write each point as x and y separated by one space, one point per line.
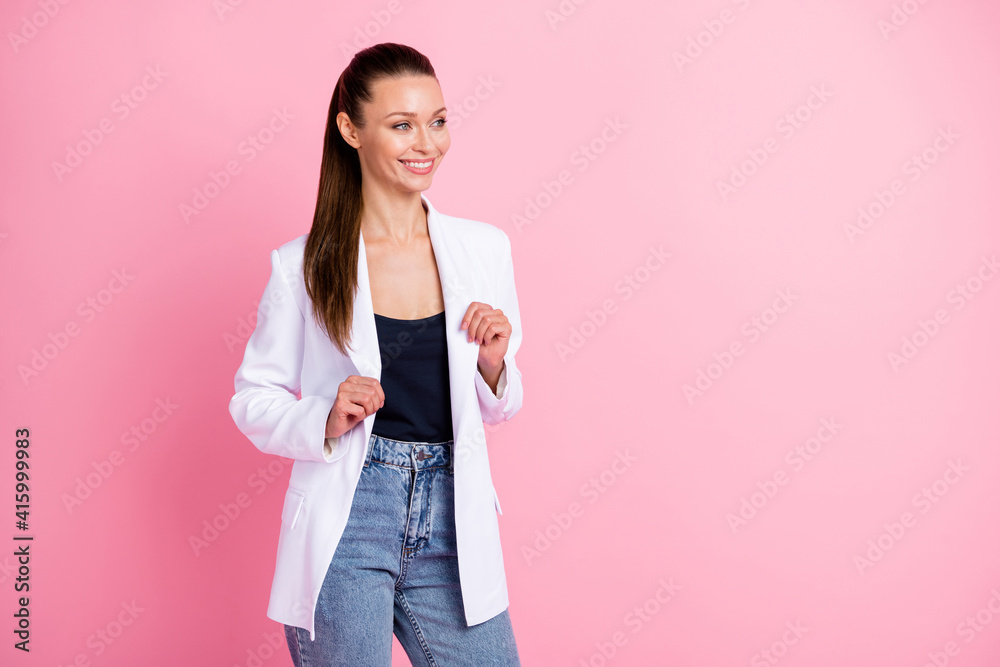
414 380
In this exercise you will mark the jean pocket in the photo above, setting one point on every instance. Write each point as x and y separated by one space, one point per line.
294 499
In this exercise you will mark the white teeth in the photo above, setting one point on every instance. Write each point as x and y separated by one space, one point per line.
417 165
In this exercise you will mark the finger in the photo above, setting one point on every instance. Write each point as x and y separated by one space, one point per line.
485 333
366 398
361 379
491 325
361 383
479 323
469 312
348 408
373 401
502 327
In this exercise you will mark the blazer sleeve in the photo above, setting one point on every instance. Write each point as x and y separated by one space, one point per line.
506 402
266 406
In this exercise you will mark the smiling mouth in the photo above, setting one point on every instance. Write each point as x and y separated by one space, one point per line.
423 164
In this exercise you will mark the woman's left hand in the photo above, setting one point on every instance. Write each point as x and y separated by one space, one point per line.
491 330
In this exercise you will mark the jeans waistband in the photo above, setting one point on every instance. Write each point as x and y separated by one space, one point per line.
411 455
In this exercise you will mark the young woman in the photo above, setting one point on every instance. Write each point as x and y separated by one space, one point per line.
385 339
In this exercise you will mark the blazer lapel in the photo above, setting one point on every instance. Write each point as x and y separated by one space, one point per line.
364 352
456 273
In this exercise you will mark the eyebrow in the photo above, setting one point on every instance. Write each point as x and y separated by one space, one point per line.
412 114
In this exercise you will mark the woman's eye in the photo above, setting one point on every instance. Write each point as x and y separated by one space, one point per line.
399 126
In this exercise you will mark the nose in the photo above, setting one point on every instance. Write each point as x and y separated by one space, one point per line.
422 141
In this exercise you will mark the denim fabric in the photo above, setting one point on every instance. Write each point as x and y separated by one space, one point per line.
395 571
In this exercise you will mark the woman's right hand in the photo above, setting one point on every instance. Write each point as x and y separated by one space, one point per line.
357 397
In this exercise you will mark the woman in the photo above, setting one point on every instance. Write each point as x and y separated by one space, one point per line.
385 338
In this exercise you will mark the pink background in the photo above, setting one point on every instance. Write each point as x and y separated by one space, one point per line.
622 497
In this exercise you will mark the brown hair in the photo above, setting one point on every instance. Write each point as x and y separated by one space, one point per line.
330 264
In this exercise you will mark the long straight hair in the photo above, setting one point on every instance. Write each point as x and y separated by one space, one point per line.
330 264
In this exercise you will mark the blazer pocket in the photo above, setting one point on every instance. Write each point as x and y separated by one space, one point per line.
294 499
496 501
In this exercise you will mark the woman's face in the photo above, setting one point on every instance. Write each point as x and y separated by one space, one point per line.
405 137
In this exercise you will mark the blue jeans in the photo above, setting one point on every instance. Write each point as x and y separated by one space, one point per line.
395 571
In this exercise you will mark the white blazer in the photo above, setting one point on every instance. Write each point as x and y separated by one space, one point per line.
287 383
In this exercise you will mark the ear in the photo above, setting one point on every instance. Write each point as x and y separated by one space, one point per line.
347 130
